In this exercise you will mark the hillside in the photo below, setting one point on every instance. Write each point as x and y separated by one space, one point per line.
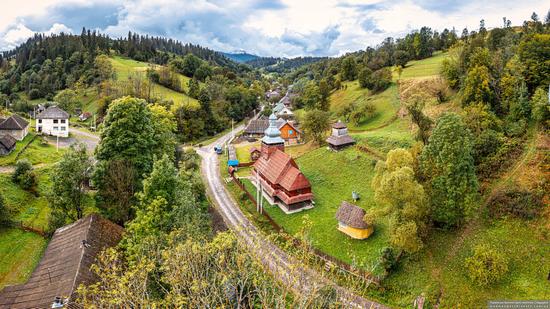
241 57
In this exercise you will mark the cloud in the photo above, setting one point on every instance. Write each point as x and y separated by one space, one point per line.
271 28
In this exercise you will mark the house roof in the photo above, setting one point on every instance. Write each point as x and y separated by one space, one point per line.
278 107
339 125
14 122
279 168
65 264
351 215
340 140
53 112
258 126
253 149
7 141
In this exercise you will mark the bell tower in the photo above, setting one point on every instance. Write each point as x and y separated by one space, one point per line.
272 138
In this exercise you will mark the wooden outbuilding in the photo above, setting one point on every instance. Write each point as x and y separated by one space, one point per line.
351 221
254 153
7 144
339 137
64 266
16 126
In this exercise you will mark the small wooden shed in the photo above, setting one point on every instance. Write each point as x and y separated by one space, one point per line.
254 153
351 222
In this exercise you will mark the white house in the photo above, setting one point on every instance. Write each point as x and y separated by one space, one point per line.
53 121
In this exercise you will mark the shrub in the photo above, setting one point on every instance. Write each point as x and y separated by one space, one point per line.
5 214
27 180
486 265
21 167
34 94
388 259
516 202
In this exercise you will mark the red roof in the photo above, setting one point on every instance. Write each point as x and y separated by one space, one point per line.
281 169
253 149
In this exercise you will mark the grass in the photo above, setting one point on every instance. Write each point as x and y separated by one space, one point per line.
20 252
333 176
37 152
386 104
429 67
124 67
396 135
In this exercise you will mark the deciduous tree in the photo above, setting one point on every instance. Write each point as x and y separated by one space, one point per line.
315 125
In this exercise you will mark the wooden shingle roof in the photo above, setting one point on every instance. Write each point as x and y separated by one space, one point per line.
351 215
53 112
8 142
14 122
281 169
65 264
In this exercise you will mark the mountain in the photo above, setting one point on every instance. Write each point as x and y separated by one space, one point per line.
240 56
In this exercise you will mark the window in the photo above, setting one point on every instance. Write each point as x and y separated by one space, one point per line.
55 121
62 128
55 128
39 120
62 120
290 132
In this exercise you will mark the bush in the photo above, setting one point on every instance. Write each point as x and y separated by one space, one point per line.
21 167
388 259
5 215
34 94
516 202
486 265
23 175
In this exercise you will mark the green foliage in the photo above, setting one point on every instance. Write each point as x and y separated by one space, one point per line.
68 185
311 97
164 126
395 186
541 106
67 100
349 68
379 80
477 86
194 88
358 114
103 68
364 77
21 167
5 214
388 259
415 106
315 125
24 175
534 53
521 109
486 265
448 165
516 202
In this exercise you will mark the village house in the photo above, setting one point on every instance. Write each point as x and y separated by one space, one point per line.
53 121
351 221
278 176
64 266
290 133
339 137
15 125
7 144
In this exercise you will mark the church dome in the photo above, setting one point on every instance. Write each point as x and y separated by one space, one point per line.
272 135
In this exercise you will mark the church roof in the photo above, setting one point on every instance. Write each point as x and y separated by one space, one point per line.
281 169
339 125
272 135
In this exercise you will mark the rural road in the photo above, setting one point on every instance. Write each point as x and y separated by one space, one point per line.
284 267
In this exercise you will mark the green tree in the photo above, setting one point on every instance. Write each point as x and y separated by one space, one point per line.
486 265
324 91
103 68
190 65
401 58
5 214
68 183
203 71
415 106
164 128
364 77
477 86
448 164
24 175
349 68
395 186
67 100
311 96
194 88
534 51
358 114
315 124
521 108
541 107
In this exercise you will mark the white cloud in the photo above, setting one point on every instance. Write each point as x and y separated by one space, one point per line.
272 28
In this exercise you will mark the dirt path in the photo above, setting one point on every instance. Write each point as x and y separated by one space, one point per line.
8 169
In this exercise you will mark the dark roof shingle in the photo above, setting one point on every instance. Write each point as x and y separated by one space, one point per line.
351 215
65 264
53 112
7 141
14 122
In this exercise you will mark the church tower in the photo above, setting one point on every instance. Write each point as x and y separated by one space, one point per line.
272 138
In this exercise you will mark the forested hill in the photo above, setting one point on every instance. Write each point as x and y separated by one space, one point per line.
282 65
241 57
139 47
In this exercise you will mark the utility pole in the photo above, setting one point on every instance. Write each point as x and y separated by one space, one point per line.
57 143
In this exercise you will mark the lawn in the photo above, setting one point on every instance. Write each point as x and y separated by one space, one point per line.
37 152
124 67
429 67
386 104
20 252
333 176
396 135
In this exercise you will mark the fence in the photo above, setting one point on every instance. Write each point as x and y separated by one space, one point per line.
327 259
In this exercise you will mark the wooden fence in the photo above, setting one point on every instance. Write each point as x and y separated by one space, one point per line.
327 260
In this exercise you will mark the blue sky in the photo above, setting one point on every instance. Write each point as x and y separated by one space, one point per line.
269 28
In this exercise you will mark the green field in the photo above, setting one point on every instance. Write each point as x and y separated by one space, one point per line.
124 67
386 104
37 152
429 67
20 252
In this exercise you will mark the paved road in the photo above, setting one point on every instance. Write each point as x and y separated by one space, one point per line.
88 139
283 266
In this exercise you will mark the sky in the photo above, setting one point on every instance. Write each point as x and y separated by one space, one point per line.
286 28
